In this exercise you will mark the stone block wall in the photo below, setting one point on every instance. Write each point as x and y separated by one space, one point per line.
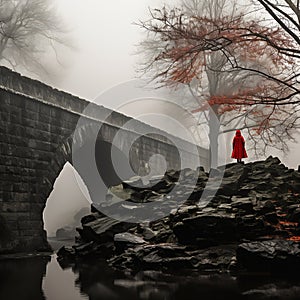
30 134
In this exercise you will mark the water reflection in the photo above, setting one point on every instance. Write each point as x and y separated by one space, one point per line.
98 281
22 278
60 284
42 278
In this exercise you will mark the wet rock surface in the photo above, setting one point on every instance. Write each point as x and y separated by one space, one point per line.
278 256
240 217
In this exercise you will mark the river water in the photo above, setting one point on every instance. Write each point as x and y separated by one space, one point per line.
35 278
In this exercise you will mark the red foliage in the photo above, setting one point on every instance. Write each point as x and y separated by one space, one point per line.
185 43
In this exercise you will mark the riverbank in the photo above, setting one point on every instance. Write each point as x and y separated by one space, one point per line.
250 223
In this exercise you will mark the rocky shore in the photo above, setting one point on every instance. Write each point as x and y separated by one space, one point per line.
251 222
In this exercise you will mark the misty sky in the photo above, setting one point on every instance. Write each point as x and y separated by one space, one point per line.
105 37
105 41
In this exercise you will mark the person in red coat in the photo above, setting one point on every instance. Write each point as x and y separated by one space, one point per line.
238 144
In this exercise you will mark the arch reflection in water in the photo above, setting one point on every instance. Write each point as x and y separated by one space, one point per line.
22 278
41 278
59 284
97 280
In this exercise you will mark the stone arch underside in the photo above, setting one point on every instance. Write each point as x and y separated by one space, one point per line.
74 152
78 150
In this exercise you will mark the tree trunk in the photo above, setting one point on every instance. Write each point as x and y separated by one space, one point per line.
214 127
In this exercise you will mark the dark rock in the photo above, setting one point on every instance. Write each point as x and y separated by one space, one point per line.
163 232
294 215
225 207
260 176
273 291
224 199
141 196
206 229
146 232
242 204
271 217
229 186
294 186
85 249
262 186
278 256
170 256
246 189
102 229
183 211
96 209
90 218
147 257
134 183
125 240
66 233
214 172
195 196
264 196
172 175
187 174
80 214
200 169
66 252
265 207
163 186
90 249
250 227
272 161
233 178
295 174
252 203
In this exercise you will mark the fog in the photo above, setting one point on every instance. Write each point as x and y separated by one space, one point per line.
104 40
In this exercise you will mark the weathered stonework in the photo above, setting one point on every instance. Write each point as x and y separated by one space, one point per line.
36 127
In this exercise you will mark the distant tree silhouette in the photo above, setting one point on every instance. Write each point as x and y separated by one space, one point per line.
27 29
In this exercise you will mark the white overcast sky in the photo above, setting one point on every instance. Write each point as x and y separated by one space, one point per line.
106 39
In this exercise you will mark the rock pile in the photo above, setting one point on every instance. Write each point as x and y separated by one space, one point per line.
248 220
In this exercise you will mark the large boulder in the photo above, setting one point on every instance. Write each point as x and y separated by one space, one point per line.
206 229
126 240
279 256
102 229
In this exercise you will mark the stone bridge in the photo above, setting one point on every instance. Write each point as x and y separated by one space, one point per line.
39 134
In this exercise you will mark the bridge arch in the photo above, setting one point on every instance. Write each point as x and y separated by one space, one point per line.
37 125
67 203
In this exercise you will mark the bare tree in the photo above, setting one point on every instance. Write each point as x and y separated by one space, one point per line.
27 29
287 14
215 44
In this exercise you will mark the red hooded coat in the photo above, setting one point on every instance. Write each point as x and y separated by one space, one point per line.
238 143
